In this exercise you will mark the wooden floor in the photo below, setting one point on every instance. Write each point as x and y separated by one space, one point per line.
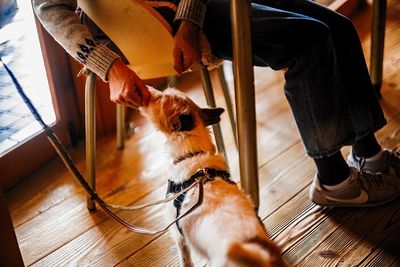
54 228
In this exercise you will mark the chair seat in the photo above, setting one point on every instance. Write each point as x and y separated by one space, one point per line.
147 47
155 70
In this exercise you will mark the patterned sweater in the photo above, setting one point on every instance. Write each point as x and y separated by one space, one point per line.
59 18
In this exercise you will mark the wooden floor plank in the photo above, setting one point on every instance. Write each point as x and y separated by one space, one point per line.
387 253
73 211
108 243
381 242
298 226
161 252
346 238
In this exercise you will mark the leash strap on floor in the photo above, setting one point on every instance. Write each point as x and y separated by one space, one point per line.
66 158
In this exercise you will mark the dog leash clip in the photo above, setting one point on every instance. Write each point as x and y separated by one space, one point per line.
206 176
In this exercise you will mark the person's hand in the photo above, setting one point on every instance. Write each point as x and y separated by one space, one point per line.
126 87
186 46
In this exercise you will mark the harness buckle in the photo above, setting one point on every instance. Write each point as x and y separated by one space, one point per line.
206 174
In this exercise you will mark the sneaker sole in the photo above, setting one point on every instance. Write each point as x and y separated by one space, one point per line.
356 205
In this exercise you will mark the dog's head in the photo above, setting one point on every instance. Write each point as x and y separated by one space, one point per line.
173 112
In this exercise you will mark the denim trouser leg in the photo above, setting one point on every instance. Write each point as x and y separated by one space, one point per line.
327 81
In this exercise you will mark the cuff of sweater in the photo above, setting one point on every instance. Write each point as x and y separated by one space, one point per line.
100 60
192 10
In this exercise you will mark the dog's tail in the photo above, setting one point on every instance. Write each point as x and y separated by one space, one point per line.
256 252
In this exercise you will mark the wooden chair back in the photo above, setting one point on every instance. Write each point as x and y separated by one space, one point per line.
139 31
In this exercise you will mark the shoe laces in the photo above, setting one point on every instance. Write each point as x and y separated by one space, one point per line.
374 180
361 162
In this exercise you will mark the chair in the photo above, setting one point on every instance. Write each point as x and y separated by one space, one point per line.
377 43
147 43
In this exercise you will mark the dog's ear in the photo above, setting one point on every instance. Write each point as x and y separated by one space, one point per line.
211 116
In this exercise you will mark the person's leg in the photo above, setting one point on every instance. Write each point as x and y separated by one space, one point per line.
366 147
314 86
351 62
332 170
366 151
325 114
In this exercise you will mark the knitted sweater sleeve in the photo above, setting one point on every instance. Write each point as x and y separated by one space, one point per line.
193 10
58 17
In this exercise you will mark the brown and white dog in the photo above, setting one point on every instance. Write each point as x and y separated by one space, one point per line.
224 228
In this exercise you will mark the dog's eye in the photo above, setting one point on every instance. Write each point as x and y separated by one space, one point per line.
186 121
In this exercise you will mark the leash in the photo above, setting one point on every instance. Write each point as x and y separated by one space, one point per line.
66 158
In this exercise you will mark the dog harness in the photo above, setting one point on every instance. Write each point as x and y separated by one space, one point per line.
206 174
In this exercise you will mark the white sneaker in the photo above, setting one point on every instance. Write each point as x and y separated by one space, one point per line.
365 189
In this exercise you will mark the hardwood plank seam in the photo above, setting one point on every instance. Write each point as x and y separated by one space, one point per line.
143 247
284 203
388 238
279 228
375 253
47 209
63 244
350 240
324 220
278 155
311 228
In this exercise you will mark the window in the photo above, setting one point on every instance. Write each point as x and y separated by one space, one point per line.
42 67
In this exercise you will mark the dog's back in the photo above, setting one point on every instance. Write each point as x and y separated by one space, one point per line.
225 230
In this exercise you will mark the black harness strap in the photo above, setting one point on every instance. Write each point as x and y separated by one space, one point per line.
208 173
188 155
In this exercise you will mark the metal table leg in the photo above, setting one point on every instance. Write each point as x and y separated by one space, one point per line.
120 125
377 42
228 101
245 96
90 131
207 86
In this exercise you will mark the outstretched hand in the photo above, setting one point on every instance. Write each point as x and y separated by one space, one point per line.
186 46
126 87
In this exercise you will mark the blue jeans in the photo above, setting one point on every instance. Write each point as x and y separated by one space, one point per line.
327 82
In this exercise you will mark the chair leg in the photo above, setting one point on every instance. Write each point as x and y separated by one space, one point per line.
120 125
377 42
245 97
207 86
228 100
90 130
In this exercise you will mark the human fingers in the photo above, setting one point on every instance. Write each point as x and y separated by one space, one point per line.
143 92
126 93
191 57
178 59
